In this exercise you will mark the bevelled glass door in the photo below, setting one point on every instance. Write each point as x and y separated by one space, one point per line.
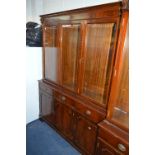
69 55
99 41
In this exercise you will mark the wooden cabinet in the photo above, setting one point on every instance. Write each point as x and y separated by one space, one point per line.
79 50
85 76
118 110
76 127
97 59
113 134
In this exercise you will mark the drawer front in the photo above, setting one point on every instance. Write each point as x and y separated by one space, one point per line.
89 113
62 98
86 111
114 140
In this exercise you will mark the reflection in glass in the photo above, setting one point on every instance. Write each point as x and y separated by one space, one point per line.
98 41
51 54
121 106
70 42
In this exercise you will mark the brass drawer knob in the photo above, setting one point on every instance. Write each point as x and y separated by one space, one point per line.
63 98
88 112
89 128
121 147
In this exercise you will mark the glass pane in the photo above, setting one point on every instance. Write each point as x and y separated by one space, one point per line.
70 41
98 41
51 54
121 107
50 36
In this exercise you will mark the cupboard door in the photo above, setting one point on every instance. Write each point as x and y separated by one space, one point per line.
103 148
121 108
97 60
85 135
119 98
58 115
67 122
69 53
64 119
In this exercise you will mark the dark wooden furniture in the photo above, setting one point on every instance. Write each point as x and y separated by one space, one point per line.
113 137
83 59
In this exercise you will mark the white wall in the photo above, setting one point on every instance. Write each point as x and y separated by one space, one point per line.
33 74
35 8
33 64
61 5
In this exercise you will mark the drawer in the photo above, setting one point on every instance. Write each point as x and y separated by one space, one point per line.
116 138
45 88
88 112
62 98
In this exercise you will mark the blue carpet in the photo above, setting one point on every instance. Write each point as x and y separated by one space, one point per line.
43 140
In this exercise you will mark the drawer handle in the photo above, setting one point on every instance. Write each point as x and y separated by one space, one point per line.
89 128
121 147
88 112
63 98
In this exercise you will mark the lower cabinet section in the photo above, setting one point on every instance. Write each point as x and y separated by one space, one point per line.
78 127
75 127
104 148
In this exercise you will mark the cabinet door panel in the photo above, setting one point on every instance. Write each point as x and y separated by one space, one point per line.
98 56
69 49
50 36
67 122
85 136
103 148
121 107
51 53
64 119
58 115
118 110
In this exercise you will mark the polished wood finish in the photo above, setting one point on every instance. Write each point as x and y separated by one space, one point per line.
114 137
69 49
63 119
119 98
85 136
96 57
72 119
106 11
104 148
82 50
89 110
